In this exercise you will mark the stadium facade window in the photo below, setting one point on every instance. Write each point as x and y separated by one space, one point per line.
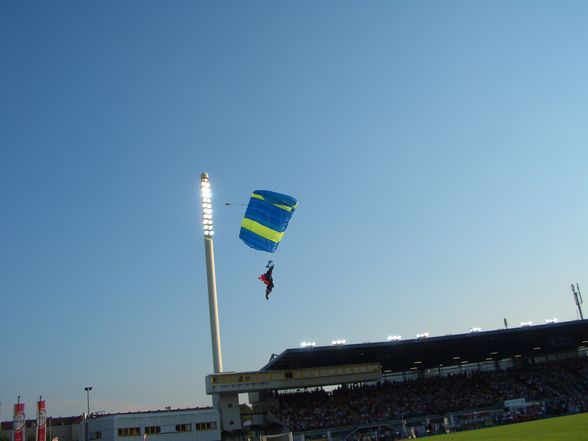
183 427
152 430
129 431
209 425
96 435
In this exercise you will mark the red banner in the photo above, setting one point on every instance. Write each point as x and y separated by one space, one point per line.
41 420
19 421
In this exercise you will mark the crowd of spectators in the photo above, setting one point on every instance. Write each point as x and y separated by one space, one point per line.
312 409
564 380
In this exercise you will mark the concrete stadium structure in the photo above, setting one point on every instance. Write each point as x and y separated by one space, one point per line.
399 359
335 365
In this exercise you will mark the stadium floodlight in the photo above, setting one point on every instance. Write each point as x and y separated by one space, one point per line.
338 342
208 228
525 324
475 329
422 334
308 344
394 337
552 320
206 203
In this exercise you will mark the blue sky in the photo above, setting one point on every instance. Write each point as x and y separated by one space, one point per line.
438 151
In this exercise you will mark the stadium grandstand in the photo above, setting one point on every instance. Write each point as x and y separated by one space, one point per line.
382 391
403 388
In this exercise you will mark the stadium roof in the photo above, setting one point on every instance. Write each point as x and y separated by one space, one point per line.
432 352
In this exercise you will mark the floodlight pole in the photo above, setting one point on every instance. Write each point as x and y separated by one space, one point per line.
213 306
207 225
88 389
578 299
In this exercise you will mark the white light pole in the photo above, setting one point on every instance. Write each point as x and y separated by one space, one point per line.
88 389
207 225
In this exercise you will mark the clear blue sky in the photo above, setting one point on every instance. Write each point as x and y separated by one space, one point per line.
438 150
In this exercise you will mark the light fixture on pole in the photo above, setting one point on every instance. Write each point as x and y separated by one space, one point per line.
208 227
88 389
578 299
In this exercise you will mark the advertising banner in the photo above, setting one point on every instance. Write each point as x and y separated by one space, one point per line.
19 422
41 420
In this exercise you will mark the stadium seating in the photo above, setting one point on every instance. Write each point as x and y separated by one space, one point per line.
558 386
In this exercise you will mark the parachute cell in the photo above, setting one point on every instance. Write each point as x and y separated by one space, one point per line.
266 219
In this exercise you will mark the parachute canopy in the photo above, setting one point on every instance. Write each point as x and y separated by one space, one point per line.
266 219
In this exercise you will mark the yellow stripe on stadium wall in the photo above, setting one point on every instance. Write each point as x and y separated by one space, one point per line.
262 230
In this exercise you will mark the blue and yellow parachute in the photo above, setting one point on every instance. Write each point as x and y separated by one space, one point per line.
266 219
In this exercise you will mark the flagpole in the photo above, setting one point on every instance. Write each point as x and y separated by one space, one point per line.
207 225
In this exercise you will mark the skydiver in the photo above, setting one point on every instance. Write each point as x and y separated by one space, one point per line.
268 279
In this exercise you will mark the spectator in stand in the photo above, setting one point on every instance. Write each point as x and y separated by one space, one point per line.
561 385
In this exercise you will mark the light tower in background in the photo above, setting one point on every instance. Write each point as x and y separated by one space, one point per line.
208 227
578 299
88 389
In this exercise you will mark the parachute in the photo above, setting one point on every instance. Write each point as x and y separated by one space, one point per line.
266 219
264 225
